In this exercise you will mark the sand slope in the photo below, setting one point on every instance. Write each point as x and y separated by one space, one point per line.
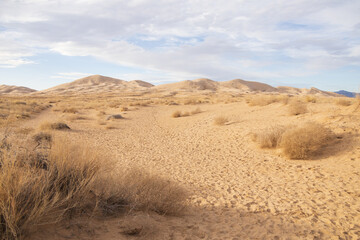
238 190
97 84
15 90
101 84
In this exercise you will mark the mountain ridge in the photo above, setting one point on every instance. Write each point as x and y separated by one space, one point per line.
101 84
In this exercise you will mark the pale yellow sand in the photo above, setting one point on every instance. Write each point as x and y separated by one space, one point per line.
238 190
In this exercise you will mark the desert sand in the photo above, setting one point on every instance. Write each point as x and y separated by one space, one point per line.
238 191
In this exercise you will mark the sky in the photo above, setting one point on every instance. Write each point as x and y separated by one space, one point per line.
300 43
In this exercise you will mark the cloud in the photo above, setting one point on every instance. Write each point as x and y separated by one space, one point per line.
249 39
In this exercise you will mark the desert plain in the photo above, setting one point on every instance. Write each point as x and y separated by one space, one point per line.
242 160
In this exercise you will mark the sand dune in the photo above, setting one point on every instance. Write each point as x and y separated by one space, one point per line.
15 90
97 84
248 86
101 84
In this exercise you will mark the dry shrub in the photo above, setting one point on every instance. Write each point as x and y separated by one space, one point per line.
310 99
70 110
343 102
68 181
305 141
144 191
185 114
221 120
297 108
114 116
263 100
196 111
54 126
32 194
270 137
176 114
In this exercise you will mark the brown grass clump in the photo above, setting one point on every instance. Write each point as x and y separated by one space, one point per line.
68 181
221 120
196 111
263 100
270 137
343 102
54 126
310 99
70 110
304 141
297 108
176 114
145 191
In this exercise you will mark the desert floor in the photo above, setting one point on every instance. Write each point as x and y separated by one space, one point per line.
238 191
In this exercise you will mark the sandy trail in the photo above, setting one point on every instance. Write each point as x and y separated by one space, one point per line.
238 191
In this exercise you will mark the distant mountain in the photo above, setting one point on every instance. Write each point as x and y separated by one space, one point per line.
346 93
97 84
15 90
100 84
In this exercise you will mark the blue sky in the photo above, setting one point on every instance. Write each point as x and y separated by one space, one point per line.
300 43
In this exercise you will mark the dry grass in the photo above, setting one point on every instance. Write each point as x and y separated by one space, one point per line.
124 109
305 141
270 137
13 109
310 99
343 102
221 120
54 126
176 114
70 110
196 111
297 108
263 100
67 181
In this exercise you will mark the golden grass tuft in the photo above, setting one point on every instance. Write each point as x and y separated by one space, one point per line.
221 120
263 100
310 99
270 137
68 181
305 141
343 102
176 114
296 108
70 110
196 111
54 126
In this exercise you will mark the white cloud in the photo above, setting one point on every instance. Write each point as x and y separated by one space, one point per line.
217 39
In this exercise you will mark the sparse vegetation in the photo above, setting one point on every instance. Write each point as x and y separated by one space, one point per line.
304 141
114 116
270 137
343 102
310 99
263 100
54 126
70 110
67 181
195 111
176 114
297 108
221 120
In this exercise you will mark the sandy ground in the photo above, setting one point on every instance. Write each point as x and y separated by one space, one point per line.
238 190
